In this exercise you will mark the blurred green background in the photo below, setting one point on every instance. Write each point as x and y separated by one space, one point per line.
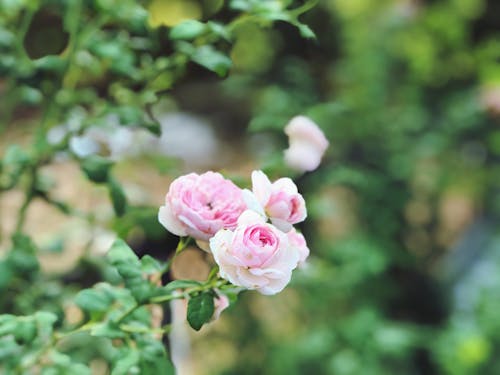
404 272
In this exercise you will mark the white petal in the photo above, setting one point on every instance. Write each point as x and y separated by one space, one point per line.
250 217
169 221
302 156
261 187
249 280
268 272
252 202
285 260
275 285
282 225
285 184
219 246
304 129
83 146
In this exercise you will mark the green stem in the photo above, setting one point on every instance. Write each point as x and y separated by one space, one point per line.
214 284
29 195
127 313
183 244
308 5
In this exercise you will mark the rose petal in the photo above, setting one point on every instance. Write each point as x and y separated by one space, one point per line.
261 187
250 217
253 203
285 184
275 285
249 280
169 221
281 224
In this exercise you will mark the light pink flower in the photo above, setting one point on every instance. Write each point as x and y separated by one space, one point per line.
256 255
297 240
307 144
200 205
280 200
221 302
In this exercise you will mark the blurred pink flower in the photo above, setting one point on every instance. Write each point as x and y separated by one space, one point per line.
280 201
200 205
221 302
256 255
307 144
490 99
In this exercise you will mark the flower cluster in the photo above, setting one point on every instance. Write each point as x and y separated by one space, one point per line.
249 233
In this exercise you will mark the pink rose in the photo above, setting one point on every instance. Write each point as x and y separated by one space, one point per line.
221 302
280 200
200 205
297 240
307 144
256 255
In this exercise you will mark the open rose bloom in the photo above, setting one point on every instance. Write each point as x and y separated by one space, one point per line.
256 255
280 201
200 205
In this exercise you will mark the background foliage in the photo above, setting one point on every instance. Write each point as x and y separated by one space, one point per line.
402 212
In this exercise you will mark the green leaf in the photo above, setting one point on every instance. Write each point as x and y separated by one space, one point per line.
78 369
117 196
154 358
93 300
107 329
200 310
163 81
208 57
305 31
50 371
45 321
153 127
121 252
187 30
8 324
22 258
130 115
129 359
9 348
26 330
219 30
5 274
129 267
15 155
182 284
96 168
150 265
